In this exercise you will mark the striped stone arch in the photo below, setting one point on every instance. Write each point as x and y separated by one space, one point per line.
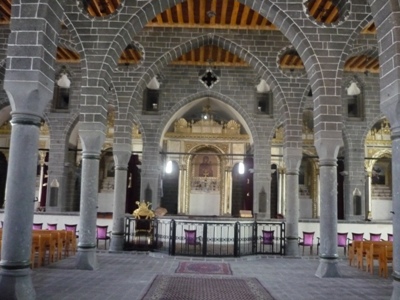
168 118
349 51
209 39
387 23
267 9
370 124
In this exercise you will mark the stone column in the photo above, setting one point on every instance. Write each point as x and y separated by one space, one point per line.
15 280
92 139
281 190
122 154
396 210
327 151
182 207
292 157
368 196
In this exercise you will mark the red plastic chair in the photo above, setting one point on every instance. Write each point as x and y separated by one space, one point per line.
37 226
102 235
342 241
307 240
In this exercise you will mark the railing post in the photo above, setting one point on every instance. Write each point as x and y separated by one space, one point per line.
254 238
283 239
172 237
204 250
236 242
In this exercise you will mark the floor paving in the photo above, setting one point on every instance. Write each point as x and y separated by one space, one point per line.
127 275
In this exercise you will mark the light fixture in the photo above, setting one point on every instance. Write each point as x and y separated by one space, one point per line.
353 89
263 87
168 167
64 81
206 113
241 168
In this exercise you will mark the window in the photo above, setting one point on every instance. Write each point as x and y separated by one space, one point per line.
264 103
151 100
61 96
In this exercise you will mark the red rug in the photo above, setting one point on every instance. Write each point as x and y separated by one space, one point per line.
204 268
178 287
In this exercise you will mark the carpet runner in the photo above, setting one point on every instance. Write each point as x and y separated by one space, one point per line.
178 287
204 268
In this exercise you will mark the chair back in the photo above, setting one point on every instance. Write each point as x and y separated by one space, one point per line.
342 239
390 237
358 236
308 238
102 231
190 236
71 227
143 224
37 226
52 226
375 237
268 237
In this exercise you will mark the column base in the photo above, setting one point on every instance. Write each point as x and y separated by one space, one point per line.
396 288
117 243
292 247
16 285
86 259
328 268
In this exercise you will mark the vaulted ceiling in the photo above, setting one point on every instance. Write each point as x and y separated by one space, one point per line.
222 14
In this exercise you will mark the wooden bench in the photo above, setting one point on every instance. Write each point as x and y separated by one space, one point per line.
373 251
385 257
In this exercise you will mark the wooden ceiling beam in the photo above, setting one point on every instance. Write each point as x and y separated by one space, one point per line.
315 7
213 9
169 17
224 11
235 12
96 8
202 12
201 52
190 11
245 15
179 13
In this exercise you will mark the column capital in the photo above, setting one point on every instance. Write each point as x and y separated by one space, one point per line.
328 148
292 158
122 154
92 136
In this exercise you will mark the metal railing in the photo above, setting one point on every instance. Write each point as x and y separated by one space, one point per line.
213 239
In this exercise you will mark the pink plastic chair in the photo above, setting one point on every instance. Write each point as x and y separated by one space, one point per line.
37 226
51 226
71 227
342 241
357 236
191 238
267 238
375 237
390 237
307 240
102 235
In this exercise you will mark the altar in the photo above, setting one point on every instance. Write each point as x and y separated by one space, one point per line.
204 204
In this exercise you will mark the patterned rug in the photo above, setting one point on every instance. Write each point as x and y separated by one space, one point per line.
175 287
204 268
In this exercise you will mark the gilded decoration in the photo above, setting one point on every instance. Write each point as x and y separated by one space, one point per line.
207 129
5 128
380 136
143 210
